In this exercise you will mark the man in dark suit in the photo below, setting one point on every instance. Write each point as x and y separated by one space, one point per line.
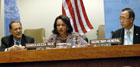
16 41
129 33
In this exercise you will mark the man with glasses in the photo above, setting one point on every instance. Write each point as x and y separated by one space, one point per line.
129 33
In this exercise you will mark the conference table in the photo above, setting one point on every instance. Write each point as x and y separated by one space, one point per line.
105 56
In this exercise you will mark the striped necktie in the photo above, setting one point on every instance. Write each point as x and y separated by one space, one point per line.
129 41
17 43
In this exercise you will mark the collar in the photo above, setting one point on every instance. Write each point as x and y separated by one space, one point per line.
17 40
131 29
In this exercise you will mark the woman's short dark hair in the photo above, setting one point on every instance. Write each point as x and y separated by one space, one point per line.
66 20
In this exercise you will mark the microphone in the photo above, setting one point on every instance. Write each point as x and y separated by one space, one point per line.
120 37
112 32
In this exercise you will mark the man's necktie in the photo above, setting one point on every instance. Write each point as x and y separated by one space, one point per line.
17 43
129 41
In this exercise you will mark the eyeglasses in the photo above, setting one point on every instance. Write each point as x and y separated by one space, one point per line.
123 18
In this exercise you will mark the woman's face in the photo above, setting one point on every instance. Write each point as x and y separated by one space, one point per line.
61 27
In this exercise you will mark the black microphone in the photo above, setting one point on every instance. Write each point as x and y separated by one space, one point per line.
120 37
112 33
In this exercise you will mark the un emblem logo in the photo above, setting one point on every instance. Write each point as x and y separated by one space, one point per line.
11 10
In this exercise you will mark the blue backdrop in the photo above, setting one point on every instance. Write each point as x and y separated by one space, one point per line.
113 10
11 12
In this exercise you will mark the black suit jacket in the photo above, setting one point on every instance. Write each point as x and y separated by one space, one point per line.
8 41
120 34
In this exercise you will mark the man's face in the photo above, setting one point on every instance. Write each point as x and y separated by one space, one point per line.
16 30
125 21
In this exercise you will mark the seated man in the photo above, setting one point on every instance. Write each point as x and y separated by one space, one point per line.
129 33
16 41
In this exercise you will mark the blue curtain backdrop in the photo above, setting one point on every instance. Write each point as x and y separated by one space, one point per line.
11 12
113 10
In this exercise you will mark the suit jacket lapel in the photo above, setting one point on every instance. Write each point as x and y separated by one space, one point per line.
11 41
23 40
136 35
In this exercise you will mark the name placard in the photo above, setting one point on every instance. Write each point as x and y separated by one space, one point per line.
106 41
35 45
63 45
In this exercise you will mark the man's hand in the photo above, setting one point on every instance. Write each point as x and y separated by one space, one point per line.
16 48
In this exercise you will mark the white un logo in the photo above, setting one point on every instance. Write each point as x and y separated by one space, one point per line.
11 9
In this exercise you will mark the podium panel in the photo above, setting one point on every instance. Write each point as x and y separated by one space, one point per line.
107 56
